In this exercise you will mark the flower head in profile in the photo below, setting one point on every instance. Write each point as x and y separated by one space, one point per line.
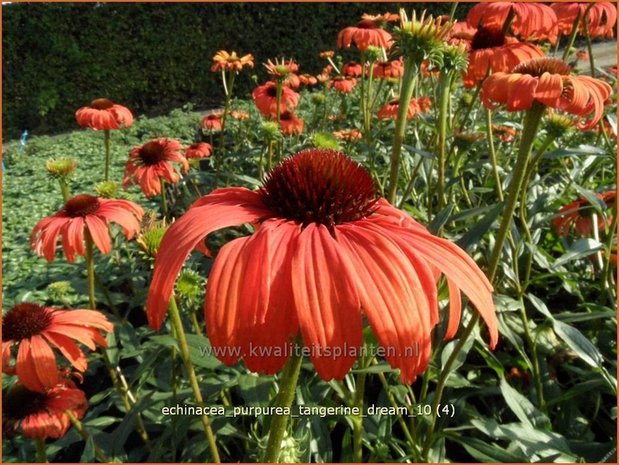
326 251
198 150
344 84
60 167
224 61
490 51
529 21
352 69
103 114
150 163
212 121
367 32
381 19
265 98
580 215
281 69
80 215
421 38
30 332
597 18
41 415
390 109
290 123
388 69
548 82
348 134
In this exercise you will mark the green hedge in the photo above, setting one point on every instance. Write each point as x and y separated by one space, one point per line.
152 57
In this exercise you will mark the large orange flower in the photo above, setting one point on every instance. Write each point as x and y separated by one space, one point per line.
388 69
548 81
530 21
265 98
104 114
290 123
600 19
579 214
326 250
84 213
148 164
366 33
29 332
198 150
224 61
41 415
490 51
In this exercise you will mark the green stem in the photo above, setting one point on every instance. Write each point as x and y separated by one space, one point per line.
64 189
108 154
570 41
531 124
90 269
408 84
177 324
493 157
79 427
41 452
164 201
285 397
443 101
357 440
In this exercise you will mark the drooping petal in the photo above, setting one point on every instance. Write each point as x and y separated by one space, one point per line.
99 232
36 364
69 349
326 302
220 209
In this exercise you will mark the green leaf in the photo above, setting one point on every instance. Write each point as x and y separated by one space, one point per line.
579 344
522 407
476 233
484 452
441 219
580 249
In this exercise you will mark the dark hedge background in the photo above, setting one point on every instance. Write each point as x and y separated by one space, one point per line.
152 57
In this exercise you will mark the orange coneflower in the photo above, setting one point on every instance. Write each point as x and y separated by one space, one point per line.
41 415
490 51
281 69
224 61
326 251
579 214
366 33
388 69
84 214
307 80
148 164
104 114
348 134
381 19
198 150
352 69
212 121
343 84
29 331
600 19
529 21
505 134
290 124
390 109
239 115
265 98
547 81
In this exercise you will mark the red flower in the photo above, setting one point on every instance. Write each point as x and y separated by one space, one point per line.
363 35
600 20
547 81
224 61
352 69
290 124
212 121
531 21
344 84
348 134
390 110
84 213
265 98
579 214
388 69
198 150
103 114
506 134
148 164
326 251
307 80
40 415
491 51
33 330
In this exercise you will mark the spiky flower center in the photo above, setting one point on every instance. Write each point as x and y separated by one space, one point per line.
24 321
101 104
538 66
81 205
320 186
367 24
152 153
487 37
20 402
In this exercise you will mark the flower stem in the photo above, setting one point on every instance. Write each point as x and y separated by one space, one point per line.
64 189
279 423
532 120
108 155
164 201
570 41
177 324
41 452
79 427
90 268
408 84
443 101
